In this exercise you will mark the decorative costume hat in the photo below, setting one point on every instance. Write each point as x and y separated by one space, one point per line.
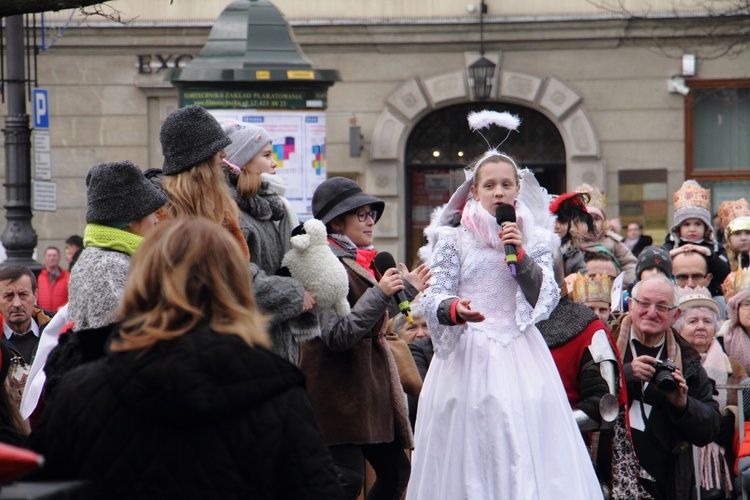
598 201
734 216
691 201
587 288
736 282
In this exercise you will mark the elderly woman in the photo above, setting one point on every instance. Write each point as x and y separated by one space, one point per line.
698 324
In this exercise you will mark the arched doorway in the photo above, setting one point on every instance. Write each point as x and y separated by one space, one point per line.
441 145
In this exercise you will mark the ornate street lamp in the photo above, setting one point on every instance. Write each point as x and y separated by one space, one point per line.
482 70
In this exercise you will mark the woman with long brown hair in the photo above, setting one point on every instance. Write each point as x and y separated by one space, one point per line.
188 403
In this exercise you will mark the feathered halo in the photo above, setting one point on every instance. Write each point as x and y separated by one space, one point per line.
483 119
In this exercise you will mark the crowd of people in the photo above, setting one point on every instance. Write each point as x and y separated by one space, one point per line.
547 357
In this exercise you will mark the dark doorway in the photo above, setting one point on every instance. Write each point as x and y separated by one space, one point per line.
442 144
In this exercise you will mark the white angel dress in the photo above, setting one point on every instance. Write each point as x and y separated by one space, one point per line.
494 421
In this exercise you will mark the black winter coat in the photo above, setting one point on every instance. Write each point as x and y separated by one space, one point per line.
201 416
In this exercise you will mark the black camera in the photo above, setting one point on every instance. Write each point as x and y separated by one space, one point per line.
663 375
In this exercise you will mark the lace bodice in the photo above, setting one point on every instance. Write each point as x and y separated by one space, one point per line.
467 265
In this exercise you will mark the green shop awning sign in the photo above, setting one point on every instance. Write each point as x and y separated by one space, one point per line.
254 99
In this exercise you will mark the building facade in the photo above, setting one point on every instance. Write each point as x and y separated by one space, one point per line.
600 91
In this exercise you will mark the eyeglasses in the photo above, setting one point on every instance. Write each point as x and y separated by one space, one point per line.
646 305
745 304
363 214
683 278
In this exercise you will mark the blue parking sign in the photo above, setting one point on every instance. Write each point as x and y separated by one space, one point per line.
41 108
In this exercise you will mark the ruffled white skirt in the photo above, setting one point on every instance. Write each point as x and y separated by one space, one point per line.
494 423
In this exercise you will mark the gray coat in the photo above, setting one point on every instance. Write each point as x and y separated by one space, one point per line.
266 223
96 285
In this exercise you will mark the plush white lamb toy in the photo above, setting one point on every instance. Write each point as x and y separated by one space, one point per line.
312 262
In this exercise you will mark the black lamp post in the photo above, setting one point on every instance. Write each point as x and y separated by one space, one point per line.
19 237
482 70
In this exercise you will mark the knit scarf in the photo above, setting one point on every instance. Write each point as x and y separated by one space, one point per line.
265 205
100 236
737 344
714 471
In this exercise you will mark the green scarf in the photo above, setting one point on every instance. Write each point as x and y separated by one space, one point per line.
100 236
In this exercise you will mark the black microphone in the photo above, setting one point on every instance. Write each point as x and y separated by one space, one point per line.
505 213
383 262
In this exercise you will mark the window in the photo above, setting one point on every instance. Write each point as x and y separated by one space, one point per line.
717 138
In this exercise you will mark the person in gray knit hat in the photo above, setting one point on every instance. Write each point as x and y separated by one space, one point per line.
193 145
266 220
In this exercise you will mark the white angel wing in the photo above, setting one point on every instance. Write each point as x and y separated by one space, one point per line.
536 199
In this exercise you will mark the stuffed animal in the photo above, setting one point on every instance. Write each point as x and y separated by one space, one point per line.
311 261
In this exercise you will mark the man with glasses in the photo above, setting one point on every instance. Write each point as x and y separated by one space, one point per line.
669 392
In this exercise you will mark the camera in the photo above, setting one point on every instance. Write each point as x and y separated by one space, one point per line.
663 375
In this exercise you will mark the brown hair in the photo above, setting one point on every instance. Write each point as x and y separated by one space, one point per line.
492 158
200 191
15 272
248 184
187 271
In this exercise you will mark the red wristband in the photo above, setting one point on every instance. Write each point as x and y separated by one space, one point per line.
521 254
454 315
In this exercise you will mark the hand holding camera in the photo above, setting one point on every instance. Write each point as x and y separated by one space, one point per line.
665 376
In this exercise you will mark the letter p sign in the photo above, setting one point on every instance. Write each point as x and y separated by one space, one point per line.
41 109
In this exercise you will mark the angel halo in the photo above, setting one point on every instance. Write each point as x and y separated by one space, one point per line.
483 119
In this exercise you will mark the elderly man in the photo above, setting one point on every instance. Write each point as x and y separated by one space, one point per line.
23 322
670 394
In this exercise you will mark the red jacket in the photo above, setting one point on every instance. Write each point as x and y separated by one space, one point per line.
52 297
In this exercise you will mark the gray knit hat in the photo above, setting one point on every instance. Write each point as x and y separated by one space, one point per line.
247 141
339 195
190 136
119 192
653 256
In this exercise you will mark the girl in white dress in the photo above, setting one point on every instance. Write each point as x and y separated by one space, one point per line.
494 421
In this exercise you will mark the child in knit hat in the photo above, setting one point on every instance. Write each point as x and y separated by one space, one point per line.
692 232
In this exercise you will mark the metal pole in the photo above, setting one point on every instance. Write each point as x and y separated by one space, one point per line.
19 237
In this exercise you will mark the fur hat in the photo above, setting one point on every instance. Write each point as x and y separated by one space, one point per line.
190 136
691 201
653 256
247 141
339 195
119 192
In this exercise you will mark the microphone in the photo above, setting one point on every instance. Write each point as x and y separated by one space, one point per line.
503 214
383 262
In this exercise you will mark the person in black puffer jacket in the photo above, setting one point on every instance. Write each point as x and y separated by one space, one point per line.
188 402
